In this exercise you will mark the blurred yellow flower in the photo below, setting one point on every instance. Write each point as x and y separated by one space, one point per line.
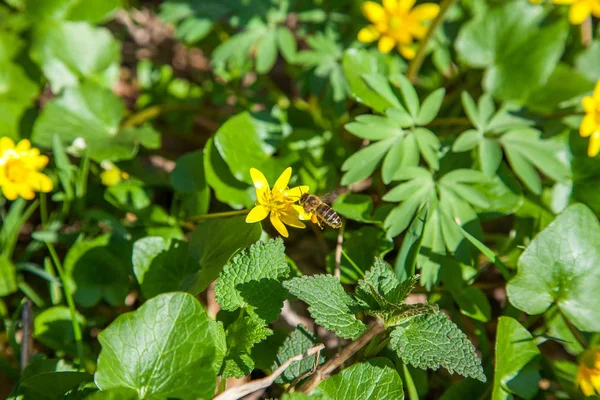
590 126
396 23
580 9
588 375
19 170
111 174
279 202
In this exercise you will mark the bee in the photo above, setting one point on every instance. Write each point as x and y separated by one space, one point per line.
322 213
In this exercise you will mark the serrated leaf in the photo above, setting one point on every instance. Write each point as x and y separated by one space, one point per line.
299 341
242 335
161 265
560 267
374 379
241 282
68 52
329 304
517 358
179 349
430 107
431 341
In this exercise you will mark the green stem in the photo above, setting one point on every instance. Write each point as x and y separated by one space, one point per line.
31 294
14 236
43 209
67 290
417 62
198 218
353 264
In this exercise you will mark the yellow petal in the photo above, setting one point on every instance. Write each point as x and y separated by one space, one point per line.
586 387
291 219
279 225
425 12
296 192
26 192
589 104
588 125
23 145
258 213
564 2
260 184
579 11
40 182
40 162
368 34
386 44
390 5
10 191
408 52
594 145
595 379
597 91
302 215
373 11
406 4
6 143
283 179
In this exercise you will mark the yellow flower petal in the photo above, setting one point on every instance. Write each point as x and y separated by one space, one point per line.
23 146
563 2
296 192
589 104
292 219
386 44
302 215
390 5
283 179
597 91
408 52
10 191
278 225
373 11
586 387
40 182
258 213
588 125
26 192
594 145
595 380
6 143
425 12
260 184
406 4
579 11
368 34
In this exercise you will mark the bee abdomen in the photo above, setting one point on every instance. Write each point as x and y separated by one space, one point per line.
328 216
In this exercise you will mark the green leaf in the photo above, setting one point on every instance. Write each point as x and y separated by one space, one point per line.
409 94
374 127
381 86
286 43
403 153
242 335
431 341
52 385
266 52
429 146
430 107
588 62
490 156
188 178
382 278
374 379
161 265
8 277
517 358
16 96
411 245
473 303
179 348
95 11
357 207
53 328
361 164
94 114
472 111
467 140
252 279
356 64
298 342
193 20
69 52
118 393
329 304
129 196
99 269
560 267
212 245
516 45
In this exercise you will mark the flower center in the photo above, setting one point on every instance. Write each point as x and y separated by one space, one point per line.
16 170
395 22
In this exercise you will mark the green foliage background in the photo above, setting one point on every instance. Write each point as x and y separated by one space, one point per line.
467 170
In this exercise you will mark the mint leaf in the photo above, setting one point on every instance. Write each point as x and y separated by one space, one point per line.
374 379
431 341
517 359
299 341
244 333
243 280
161 265
330 305
560 267
163 349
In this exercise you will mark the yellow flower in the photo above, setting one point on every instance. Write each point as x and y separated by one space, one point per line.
111 174
396 23
279 202
580 9
588 375
19 170
590 126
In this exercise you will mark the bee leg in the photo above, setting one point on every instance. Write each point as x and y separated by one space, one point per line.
315 220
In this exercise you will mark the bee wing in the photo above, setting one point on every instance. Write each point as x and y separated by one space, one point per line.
330 197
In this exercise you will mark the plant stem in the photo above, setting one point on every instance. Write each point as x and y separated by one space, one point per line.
417 62
43 209
586 32
339 249
198 218
14 236
154 111
326 369
356 267
67 290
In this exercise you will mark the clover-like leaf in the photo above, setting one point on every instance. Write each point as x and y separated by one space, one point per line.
433 341
560 267
329 304
178 346
373 379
